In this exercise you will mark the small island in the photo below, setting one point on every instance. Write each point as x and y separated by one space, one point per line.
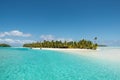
82 44
102 45
4 45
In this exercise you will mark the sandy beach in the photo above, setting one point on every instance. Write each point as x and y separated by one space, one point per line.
111 54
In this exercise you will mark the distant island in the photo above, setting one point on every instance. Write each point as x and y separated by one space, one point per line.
82 44
102 45
4 45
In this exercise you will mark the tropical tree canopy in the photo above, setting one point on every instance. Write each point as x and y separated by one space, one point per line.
82 44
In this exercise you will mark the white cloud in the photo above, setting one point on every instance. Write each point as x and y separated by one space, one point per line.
2 35
51 37
47 37
63 39
14 33
15 41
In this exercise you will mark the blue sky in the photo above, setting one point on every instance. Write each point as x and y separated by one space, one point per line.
60 19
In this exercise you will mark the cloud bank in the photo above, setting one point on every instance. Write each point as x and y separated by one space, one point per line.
16 33
51 37
47 37
6 37
15 41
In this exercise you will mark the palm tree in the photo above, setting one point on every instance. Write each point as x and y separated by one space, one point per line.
95 39
84 44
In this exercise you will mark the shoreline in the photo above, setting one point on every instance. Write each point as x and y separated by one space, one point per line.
65 49
106 54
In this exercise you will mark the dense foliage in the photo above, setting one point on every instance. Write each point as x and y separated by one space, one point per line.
4 45
82 44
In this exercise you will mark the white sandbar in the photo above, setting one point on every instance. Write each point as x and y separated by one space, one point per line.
111 54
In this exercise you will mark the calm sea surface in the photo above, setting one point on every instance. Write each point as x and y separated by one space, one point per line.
27 64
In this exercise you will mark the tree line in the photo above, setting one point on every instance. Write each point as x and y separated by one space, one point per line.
82 44
4 45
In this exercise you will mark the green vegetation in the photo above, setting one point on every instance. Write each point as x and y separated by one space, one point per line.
4 45
82 44
102 45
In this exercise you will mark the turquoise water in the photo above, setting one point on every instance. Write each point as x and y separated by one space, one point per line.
27 64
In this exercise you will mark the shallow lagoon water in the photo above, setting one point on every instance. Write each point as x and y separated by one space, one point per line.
28 64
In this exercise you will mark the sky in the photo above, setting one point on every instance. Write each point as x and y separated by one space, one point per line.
24 21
